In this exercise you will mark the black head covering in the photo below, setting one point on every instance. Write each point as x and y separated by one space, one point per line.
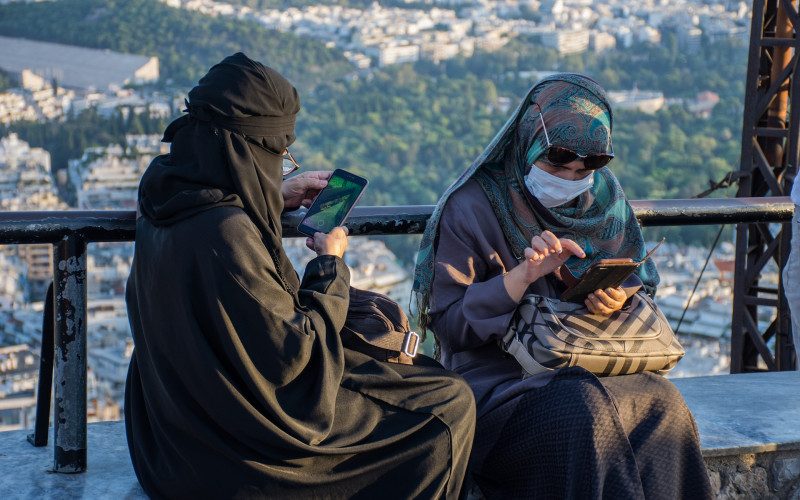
228 151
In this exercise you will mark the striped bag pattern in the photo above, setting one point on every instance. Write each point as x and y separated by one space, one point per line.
546 334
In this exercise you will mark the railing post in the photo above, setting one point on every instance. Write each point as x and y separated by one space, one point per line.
45 390
69 419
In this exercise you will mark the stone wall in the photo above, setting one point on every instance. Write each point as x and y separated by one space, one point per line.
760 476
772 475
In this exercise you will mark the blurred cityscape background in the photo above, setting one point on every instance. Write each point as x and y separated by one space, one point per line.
404 93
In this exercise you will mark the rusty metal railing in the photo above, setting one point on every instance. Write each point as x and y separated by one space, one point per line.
70 232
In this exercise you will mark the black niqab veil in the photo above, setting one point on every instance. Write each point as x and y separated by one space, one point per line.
239 386
252 108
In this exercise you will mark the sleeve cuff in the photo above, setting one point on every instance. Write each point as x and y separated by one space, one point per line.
325 269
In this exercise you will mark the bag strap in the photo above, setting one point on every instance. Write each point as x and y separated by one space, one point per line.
405 342
524 358
511 343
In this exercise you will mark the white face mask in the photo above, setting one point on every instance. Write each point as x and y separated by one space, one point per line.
553 191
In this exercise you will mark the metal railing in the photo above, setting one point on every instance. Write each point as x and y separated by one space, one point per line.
70 232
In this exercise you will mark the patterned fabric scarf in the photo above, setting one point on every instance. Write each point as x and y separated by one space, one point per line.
601 220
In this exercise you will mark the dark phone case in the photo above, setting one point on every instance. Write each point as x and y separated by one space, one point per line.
605 273
601 275
314 208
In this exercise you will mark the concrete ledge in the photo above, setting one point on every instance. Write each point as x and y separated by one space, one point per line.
26 471
745 413
749 428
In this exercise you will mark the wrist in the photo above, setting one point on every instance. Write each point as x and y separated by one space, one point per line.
516 282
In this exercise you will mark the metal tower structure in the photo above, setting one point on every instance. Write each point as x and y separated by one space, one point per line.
770 136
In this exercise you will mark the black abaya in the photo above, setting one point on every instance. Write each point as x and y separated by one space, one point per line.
239 386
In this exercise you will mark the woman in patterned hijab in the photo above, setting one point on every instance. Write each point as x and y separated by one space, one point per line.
541 196
600 219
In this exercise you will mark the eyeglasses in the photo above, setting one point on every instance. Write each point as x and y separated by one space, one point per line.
557 155
289 165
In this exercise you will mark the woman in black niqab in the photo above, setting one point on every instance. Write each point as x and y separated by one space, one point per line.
239 386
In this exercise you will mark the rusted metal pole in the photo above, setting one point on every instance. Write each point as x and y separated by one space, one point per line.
69 417
777 111
44 389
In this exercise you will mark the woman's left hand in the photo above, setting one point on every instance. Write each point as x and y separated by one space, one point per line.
606 302
302 189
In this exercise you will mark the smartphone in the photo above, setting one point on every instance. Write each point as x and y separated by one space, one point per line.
334 203
605 273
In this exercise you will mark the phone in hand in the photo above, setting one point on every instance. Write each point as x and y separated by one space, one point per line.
334 203
603 274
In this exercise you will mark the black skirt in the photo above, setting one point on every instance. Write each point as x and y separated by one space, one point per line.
584 437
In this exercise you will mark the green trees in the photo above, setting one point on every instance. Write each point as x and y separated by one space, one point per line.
6 82
411 129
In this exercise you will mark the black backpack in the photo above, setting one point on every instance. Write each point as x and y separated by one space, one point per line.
376 325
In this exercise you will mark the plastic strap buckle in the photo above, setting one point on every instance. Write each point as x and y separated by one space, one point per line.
410 346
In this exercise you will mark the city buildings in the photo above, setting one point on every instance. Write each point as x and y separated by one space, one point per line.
107 178
26 183
393 35
19 372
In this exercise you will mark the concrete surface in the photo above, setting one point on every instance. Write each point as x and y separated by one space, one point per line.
749 429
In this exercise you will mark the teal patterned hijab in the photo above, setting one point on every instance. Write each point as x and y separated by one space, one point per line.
578 117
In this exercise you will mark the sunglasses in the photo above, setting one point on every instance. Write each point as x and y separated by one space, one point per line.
557 155
289 165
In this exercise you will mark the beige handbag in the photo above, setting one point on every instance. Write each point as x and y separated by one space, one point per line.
547 333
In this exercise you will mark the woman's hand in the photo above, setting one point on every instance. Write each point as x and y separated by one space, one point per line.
333 243
545 255
606 302
302 189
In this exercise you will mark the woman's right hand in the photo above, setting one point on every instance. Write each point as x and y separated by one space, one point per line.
333 243
545 255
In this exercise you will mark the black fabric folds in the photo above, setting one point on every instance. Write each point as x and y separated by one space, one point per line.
584 437
239 386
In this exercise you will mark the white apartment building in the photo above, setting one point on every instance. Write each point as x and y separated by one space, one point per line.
14 107
26 184
12 276
646 101
397 54
689 39
17 154
108 177
602 41
35 103
19 373
110 366
567 41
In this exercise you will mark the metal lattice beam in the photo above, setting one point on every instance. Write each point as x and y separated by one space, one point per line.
770 145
